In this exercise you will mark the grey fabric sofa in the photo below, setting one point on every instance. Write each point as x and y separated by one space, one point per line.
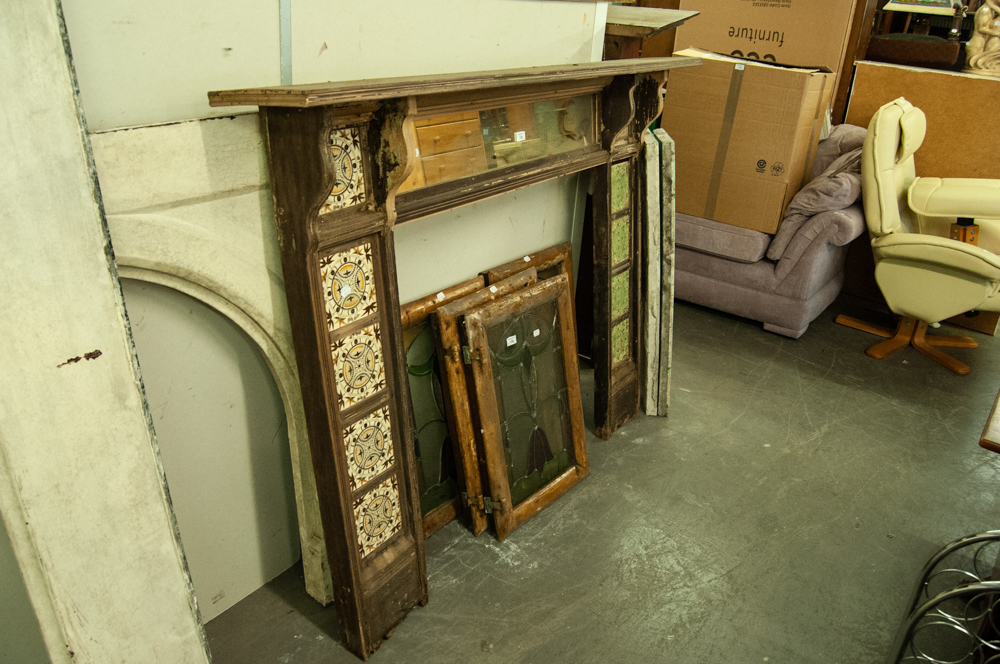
784 280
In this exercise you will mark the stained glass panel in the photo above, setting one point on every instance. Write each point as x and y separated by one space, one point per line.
530 382
435 455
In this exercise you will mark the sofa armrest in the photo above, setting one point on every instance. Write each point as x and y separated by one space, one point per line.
836 227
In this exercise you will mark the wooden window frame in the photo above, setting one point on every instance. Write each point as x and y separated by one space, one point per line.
506 516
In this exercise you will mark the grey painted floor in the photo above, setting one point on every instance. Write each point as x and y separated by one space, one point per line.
781 514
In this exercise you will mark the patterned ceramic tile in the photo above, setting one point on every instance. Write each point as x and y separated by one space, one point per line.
619 240
368 444
619 342
619 294
349 185
619 186
358 362
376 516
348 285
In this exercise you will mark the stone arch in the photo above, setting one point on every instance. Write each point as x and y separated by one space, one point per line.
169 252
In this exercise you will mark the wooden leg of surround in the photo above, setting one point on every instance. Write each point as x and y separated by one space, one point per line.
923 344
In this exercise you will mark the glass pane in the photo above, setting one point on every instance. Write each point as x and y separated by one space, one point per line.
619 294
435 455
530 382
458 145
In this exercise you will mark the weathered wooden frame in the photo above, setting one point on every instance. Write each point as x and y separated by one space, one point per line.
462 418
507 517
418 314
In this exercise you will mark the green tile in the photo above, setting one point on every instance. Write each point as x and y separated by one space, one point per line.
620 240
619 294
619 186
619 342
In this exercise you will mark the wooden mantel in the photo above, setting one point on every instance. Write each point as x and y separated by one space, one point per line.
348 161
345 92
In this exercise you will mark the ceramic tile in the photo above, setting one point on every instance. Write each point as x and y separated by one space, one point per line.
368 444
359 366
619 294
619 342
619 186
349 185
348 285
619 240
377 517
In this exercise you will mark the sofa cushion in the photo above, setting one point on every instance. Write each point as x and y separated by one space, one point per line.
718 239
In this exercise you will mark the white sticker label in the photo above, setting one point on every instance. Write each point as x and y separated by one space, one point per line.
440 296
417 151
511 340
518 136
740 67
536 333
493 289
527 259
345 291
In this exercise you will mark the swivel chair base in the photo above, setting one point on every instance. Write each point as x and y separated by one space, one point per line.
912 332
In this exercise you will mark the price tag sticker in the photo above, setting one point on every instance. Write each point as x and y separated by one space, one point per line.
740 67
527 259
440 296
536 333
493 289
345 291
519 136
511 340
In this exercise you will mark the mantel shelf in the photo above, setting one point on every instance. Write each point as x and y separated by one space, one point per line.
343 92
643 22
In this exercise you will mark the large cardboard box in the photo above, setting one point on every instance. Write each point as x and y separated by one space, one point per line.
746 135
803 33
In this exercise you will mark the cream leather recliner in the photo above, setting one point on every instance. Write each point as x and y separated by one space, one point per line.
924 275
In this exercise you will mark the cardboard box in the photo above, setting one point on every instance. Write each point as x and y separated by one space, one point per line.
803 33
746 136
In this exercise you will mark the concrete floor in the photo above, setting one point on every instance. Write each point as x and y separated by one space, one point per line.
780 514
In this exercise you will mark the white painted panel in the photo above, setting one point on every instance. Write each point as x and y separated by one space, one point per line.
20 636
221 427
446 248
151 62
378 38
81 487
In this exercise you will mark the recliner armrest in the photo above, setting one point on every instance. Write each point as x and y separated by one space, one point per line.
836 227
955 197
940 251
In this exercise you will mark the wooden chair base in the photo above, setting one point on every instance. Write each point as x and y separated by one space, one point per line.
912 332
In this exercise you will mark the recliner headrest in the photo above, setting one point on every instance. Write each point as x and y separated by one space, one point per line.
912 129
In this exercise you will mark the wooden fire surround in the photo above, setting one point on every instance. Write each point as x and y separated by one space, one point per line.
339 154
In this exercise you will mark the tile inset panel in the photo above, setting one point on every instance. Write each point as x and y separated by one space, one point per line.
348 285
368 444
349 178
619 186
359 365
377 517
619 294
619 240
619 342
